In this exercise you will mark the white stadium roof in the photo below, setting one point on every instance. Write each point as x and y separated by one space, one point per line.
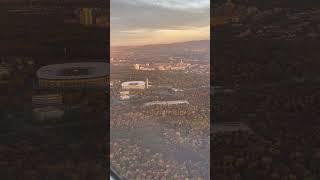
133 83
166 102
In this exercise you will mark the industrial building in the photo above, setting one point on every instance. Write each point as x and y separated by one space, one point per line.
124 95
73 75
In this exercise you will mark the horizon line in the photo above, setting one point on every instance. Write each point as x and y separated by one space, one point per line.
140 45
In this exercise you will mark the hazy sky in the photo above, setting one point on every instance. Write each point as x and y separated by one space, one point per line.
137 22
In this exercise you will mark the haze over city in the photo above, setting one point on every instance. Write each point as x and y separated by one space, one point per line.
142 22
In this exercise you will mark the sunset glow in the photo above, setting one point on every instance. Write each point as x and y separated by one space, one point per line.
142 22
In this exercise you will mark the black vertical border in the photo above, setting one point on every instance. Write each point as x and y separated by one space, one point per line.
107 142
211 84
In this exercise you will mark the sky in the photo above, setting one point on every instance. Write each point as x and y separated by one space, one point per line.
142 22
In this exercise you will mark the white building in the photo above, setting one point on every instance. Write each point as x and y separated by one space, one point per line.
176 90
167 103
133 85
124 95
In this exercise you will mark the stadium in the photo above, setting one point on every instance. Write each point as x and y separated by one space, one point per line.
166 103
73 75
133 85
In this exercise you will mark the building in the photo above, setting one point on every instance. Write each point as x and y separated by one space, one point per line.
133 85
124 95
161 66
136 66
87 16
147 68
4 72
164 108
166 103
102 21
175 90
144 67
74 75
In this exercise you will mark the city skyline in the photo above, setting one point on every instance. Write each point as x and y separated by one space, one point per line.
142 22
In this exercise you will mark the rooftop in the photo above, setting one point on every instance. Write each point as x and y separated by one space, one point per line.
133 83
85 70
166 102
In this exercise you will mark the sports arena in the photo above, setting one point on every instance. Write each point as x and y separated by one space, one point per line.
166 103
74 75
133 85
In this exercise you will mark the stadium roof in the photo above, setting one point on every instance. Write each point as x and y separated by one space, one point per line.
166 102
85 70
133 83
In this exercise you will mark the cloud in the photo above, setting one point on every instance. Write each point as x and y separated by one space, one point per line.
173 4
132 17
152 36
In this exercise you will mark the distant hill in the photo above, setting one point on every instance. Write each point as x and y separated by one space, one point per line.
188 44
195 50
200 44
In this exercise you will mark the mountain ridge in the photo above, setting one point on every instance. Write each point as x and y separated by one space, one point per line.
203 43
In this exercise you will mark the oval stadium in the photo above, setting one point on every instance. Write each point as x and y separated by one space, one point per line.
133 85
74 75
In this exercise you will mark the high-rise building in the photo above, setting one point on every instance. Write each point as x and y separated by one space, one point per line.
87 16
147 83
